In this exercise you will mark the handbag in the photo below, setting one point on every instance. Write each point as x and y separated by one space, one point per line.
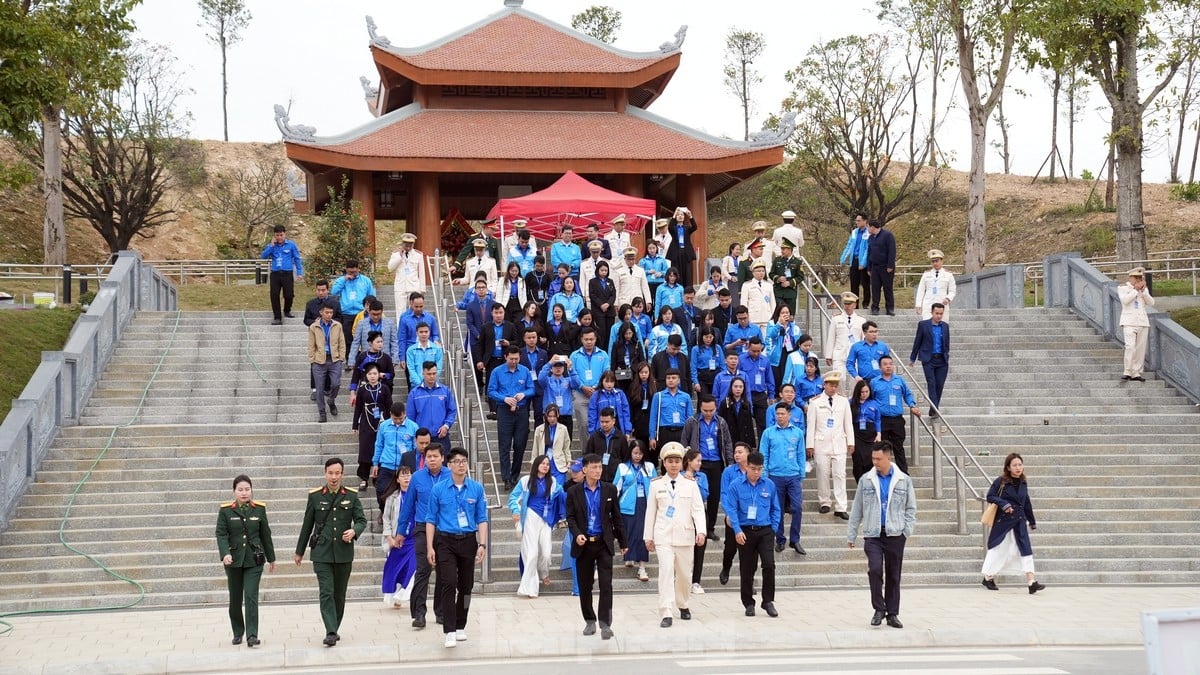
623 374
989 514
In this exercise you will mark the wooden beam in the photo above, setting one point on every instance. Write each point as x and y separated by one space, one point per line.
362 190
690 192
427 212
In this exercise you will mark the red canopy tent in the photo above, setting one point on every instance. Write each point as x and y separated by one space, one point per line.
572 200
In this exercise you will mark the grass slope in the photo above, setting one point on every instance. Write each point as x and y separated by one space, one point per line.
26 334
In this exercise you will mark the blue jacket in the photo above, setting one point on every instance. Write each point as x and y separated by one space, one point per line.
658 338
523 258
923 342
392 441
408 329
643 323
741 495
856 248
868 417
557 390
657 264
284 257
416 500
863 359
503 383
806 389
704 357
518 499
669 410
735 332
783 451
866 510
417 355
572 305
603 399
721 382
432 407
589 368
892 395
775 338
668 296
793 372
566 253
350 294
627 479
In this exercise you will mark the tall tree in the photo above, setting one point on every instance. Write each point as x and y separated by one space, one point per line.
856 118
1119 41
984 34
56 55
599 21
1179 101
1076 90
116 151
742 47
224 20
929 44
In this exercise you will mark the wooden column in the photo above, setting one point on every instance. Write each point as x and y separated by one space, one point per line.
363 191
631 184
690 193
426 216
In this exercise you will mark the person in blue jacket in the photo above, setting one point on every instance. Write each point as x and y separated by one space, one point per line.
868 427
706 359
352 290
865 355
854 255
670 292
609 396
285 258
782 448
532 505
655 266
510 387
1008 541
558 382
633 488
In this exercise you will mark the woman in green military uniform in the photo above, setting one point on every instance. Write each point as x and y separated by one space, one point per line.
244 542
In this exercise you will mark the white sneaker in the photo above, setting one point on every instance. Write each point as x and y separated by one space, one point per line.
450 642
697 589
642 576
389 599
460 635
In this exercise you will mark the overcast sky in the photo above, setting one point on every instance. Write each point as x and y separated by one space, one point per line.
312 53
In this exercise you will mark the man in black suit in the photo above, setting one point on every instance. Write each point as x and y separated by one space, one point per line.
932 346
675 357
594 518
881 256
494 337
681 253
415 459
609 444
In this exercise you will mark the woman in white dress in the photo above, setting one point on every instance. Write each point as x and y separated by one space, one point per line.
1008 543
937 285
532 506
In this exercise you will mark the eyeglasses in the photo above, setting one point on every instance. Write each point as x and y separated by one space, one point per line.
460 460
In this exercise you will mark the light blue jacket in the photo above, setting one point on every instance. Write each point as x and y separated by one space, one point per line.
668 296
901 511
856 244
518 499
659 335
572 305
557 390
627 480
783 451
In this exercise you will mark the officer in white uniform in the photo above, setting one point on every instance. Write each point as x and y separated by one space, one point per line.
408 264
937 285
844 330
830 441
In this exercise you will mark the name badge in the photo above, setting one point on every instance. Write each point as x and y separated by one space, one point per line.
874 364
711 443
671 511
645 404
541 295
605 458
462 519
352 294
712 364
375 413
752 512
758 378
934 291
675 417
891 399
787 272
829 423
641 491
862 425
591 522
558 401
587 374
1137 304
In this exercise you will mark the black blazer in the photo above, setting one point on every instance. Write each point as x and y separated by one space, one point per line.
598 296
563 343
409 458
659 365
610 517
741 425
618 448
637 353
487 340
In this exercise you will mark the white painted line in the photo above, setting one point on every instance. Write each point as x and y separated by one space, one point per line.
948 671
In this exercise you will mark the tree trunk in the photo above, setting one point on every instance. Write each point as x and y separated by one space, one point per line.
54 232
1071 126
1131 228
1003 122
1054 125
224 88
745 104
976 244
1195 153
931 149
1111 184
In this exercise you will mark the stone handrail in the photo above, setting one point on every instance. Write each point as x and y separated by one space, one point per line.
61 386
1001 287
1172 352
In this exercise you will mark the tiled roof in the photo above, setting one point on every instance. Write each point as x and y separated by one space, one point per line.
412 132
517 41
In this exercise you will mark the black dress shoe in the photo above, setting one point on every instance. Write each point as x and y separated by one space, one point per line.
798 548
749 610
589 628
332 408
237 639
289 315
665 623
824 509
418 622
337 638
891 313
1139 378
842 514
877 619
685 614
276 322
321 418
1035 587
769 608
989 584
723 577
894 622
253 641
438 619
712 536
1125 378
779 547
312 396
329 640
491 416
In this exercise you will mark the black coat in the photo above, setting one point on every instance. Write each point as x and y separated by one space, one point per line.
563 343
635 349
598 296
659 365
741 425
610 517
1017 496
487 339
618 449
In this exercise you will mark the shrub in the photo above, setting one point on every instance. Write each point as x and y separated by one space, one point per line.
1187 192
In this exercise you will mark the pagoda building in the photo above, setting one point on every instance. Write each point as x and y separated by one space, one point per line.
504 107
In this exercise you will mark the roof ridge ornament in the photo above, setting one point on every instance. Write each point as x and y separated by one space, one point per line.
369 91
373 32
514 4
786 126
680 35
297 185
300 132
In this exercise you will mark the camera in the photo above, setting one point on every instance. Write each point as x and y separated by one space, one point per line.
260 557
314 540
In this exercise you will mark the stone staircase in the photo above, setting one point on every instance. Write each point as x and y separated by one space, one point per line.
1109 462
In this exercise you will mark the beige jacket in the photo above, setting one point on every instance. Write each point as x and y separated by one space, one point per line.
561 449
680 528
316 343
830 428
841 334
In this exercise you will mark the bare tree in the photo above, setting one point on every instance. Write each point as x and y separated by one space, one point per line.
1002 146
930 42
857 121
248 202
224 20
599 21
115 153
741 48
1179 102
1077 97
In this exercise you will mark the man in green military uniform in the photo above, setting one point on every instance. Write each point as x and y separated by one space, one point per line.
244 544
487 236
333 519
787 274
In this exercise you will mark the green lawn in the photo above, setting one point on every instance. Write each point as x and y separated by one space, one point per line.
26 334
1189 318
219 297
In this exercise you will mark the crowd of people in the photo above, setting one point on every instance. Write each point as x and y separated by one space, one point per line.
666 412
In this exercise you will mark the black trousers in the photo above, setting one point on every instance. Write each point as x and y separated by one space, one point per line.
347 321
881 286
455 578
759 401
893 431
729 551
885 558
481 378
698 561
936 370
757 547
860 284
420 591
285 283
595 557
864 440
665 435
712 470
